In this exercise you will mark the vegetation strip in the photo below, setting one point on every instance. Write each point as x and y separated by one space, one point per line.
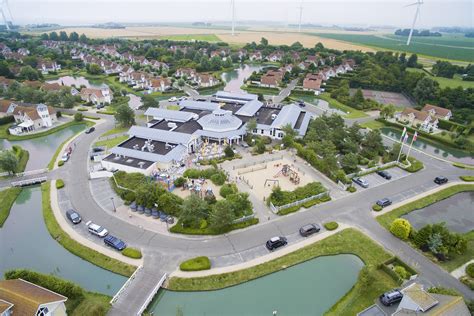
371 282
75 247
8 197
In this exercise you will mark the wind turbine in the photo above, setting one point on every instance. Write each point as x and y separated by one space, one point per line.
3 7
418 4
301 15
232 3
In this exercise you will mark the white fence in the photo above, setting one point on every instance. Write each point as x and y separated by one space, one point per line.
276 209
245 165
152 294
23 183
122 289
373 169
243 219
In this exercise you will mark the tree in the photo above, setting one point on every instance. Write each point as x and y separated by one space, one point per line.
251 125
260 147
263 41
227 189
290 135
53 36
78 117
44 37
94 69
181 82
124 115
261 97
149 102
358 99
425 90
63 36
221 215
193 210
68 101
170 203
74 37
8 161
372 144
240 203
412 61
388 111
401 228
28 73
83 38
350 162
229 152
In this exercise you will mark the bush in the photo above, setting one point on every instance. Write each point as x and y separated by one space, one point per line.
469 282
179 182
59 184
401 228
229 153
78 117
196 264
218 178
467 178
7 119
352 189
402 273
331 225
132 253
60 163
376 208
192 173
82 109
470 270
55 284
228 189
415 166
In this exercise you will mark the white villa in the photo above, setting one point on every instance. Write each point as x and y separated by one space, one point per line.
172 137
28 117
97 96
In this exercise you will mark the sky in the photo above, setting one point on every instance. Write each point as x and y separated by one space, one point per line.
325 12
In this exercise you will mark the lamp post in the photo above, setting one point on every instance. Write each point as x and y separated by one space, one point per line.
112 199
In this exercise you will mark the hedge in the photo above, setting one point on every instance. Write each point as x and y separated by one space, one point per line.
7 119
59 184
376 208
395 261
218 177
196 264
179 229
331 225
60 163
279 197
132 253
23 156
470 270
467 178
415 166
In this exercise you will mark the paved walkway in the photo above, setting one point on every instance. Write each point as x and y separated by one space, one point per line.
285 92
461 271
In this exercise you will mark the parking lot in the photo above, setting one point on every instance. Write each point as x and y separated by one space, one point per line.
375 180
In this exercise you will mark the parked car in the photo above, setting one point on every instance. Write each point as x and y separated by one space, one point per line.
391 297
173 99
309 229
96 229
98 149
384 202
301 103
361 181
73 216
65 157
90 130
276 242
441 180
384 174
182 98
115 243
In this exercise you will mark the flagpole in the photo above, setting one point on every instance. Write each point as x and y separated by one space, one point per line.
400 152
401 142
411 144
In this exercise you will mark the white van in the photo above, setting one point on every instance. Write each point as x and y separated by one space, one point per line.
96 229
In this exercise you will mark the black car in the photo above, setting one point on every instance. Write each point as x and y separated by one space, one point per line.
384 174
114 242
301 103
441 180
391 297
73 216
309 229
276 242
384 202
90 130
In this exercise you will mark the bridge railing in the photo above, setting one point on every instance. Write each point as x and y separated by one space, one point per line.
26 173
152 295
124 287
23 183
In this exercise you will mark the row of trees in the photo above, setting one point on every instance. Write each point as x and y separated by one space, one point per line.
62 36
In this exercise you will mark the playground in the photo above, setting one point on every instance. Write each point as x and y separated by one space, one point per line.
201 187
261 178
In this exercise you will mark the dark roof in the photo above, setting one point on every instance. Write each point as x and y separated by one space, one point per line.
127 161
137 143
264 115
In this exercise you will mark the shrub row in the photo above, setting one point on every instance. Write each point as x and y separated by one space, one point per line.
467 178
196 264
280 197
132 253
218 177
179 229
7 119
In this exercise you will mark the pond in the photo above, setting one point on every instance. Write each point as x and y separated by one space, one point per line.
456 211
26 243
433 148
309 288
42 149
70 81
234 79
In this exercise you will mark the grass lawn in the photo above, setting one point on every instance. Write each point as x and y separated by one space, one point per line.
192 37
109 143
92 304
351 113
173 107
386 219
73 246
373 124
447 82
347 241
8 197
257 90
22 155
116 130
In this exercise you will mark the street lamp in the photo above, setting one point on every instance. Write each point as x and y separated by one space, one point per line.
112 199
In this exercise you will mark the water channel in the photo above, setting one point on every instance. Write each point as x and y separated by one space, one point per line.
26 243
42 149
235 79
456 211
309 288
77 82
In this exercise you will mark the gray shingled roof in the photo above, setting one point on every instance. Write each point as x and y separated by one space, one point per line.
160 135
179 116
221 135
199 105
237 97
288 115
304 125
176 153
250 108
220 121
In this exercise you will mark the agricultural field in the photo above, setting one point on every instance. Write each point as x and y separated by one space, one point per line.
192 37
446 47
446 82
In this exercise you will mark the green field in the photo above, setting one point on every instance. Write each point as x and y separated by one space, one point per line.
445 47
446 82
192 37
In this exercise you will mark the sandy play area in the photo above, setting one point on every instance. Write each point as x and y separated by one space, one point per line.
262 177
207 184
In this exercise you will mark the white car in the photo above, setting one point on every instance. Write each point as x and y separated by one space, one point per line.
97 230
65 157
173 99
182 98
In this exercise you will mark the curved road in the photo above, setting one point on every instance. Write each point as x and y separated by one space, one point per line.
162 253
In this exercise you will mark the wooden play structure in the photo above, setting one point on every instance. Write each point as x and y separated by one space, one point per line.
287 171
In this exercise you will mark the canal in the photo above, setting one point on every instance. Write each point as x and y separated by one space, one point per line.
433 148
309 288
42 149
77 82
26 243
235 79
456 211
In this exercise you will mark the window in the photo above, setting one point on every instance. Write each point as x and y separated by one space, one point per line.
43 311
